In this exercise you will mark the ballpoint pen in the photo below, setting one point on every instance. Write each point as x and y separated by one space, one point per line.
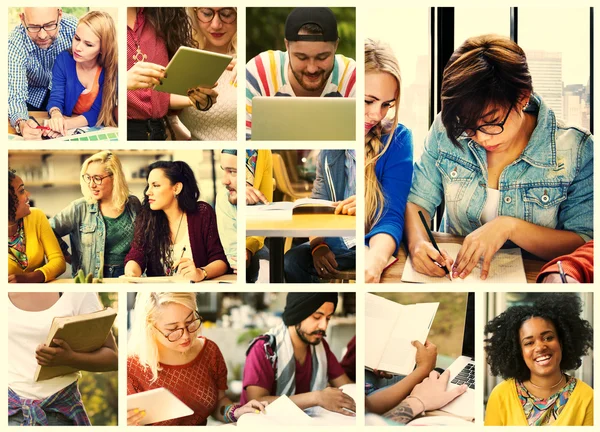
432 240
561 272
180 257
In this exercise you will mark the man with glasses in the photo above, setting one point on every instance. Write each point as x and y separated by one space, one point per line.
33 46
309 67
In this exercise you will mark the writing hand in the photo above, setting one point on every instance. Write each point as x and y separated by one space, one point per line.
252 406
424 258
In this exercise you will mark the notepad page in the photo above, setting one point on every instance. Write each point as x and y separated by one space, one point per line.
507 267
380 318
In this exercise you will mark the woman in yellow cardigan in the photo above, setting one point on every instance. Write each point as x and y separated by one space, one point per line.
532 346
33 251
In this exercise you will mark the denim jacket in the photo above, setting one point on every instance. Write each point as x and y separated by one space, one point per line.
84 224
330 182
550 184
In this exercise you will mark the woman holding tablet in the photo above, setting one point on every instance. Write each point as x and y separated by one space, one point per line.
505 167
531 347
388 159
166 350
174 232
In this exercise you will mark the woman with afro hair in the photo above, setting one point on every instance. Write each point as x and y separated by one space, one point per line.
531 347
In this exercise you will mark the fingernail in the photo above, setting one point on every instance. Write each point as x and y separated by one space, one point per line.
256 411
160 82
165 74
136 410
483 277
143 413
463 275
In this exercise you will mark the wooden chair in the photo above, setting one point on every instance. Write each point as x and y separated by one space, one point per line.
344 276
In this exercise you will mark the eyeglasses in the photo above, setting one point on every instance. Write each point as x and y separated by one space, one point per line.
97 179
176 334
46 27
489 128
206 15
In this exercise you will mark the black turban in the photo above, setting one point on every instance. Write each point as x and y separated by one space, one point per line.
300 305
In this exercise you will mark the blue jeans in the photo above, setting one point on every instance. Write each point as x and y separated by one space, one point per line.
252 270
113 271
54 419
298 262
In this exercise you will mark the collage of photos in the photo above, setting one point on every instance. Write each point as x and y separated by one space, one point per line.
477 168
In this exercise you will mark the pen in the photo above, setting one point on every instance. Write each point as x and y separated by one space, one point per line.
432 240
181 256
563 277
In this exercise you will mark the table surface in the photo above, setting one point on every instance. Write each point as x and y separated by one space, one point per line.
38 115
228 278
532 264
304 225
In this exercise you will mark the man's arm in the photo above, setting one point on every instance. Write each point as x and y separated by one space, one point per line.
340 381
17 81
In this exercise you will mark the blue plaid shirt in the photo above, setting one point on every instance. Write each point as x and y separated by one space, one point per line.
30 67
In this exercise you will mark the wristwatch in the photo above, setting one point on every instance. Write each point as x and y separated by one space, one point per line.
18 126
205 273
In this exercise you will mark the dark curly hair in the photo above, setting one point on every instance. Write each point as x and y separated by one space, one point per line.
173 25
152 232
574 334
12 196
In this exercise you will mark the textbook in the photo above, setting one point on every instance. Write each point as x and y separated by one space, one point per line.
281 412
83 333
284 210
160 405
390 329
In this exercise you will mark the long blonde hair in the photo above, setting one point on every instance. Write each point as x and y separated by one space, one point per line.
379 57
199 37
103 26
112 165
142 339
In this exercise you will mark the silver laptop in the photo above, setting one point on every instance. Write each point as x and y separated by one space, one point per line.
462 370
303 118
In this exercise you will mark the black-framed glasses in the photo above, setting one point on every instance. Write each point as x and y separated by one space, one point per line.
175 335
47 27
206 15
96 179
489 128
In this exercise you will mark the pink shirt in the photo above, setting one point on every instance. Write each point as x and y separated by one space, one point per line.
259 372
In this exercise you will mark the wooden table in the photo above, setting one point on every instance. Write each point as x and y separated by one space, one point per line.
301 225
40 116
228 278
531 263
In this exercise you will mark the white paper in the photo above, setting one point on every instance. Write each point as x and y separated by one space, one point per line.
507 267
281 210
154 279
281 412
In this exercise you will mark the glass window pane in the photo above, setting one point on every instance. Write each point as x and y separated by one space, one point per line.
469 22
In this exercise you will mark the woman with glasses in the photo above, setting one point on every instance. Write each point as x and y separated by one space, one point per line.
388 159
100 225
84 77
33 253
505 169
154 34
175 234
166 350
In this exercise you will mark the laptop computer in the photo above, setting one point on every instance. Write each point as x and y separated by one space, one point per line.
303 118
462 370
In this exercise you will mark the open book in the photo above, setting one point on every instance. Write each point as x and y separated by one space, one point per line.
83 333
390 329
284 210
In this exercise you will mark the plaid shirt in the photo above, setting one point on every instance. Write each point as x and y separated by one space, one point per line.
30 67
66 401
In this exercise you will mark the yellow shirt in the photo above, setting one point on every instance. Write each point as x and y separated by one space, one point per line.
40 242
263 181
504 407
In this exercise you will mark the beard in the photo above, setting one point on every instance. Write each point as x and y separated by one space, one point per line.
232 197
312 86
304 335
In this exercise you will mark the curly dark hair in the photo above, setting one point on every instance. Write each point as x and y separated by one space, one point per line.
173 25
574 334
152 233
12 196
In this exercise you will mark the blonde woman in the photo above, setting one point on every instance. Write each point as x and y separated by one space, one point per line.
101 224
215 29
166 350
388 159
84 77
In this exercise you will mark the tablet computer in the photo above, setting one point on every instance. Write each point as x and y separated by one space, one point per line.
190 68
160 405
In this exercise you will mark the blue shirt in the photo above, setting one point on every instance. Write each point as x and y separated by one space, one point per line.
30 67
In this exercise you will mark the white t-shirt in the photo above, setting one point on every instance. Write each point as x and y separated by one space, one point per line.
26 330
490 209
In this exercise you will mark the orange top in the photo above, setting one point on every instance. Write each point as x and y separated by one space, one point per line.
578 265
86 100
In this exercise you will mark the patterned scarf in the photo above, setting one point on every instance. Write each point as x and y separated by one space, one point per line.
251 157
540 412
16 246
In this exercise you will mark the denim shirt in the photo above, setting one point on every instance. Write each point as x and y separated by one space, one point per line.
550 184
84 224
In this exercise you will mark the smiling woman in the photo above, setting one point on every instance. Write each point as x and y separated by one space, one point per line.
532 347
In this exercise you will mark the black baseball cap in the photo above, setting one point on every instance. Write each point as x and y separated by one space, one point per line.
321 16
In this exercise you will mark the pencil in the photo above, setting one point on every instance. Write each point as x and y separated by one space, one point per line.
431 239
561 272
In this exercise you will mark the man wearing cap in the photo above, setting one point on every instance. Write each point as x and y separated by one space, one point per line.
32 48
309 67
293 359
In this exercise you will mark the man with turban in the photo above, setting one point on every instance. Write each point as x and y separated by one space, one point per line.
293 359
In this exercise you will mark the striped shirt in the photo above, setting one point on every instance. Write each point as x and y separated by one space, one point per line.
267 75
30 67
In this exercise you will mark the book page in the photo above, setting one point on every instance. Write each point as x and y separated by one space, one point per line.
380 316
281 412
507 267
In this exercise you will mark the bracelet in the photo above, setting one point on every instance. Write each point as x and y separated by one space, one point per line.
51 110
313 250
419 399
229 415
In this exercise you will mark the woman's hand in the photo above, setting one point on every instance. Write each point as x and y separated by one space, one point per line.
382 374
203 98
347 206
253 406
432 391
54 356
134 416
144 75
232 67
254 196
484 242
324 262
374 265
188 270
424 258
57 123
426 357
